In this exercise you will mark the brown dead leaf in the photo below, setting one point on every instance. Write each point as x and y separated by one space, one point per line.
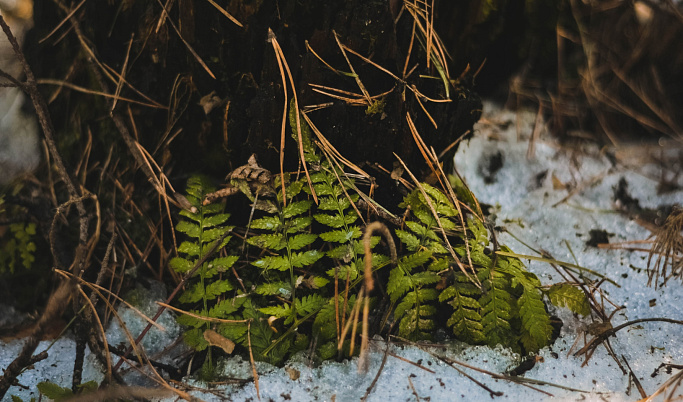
557 183
216 339
210 102
293 373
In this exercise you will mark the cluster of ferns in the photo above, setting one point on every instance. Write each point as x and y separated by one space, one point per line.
291 283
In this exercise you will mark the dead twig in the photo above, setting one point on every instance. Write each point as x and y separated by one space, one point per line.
61 295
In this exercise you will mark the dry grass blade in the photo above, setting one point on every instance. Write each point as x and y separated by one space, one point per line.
353 318
668 246
329 148
379 372
69 15
370 284
187 45
140 354
356 100
433 162
160 185
282 65
111 74
607 331
97 288
365 59
61 295
670 386
121 392
474 280
516 379
227 14
100 327
164 14
434 48
339 72
336 158
54 307
119 85
200 317
251 360
355 76
209 252
454 199
424 109
47 81
563 264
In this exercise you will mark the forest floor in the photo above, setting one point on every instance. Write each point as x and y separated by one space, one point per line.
587 207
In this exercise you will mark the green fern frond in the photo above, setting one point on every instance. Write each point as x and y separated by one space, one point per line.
298 225
497 309
18 248
409 240
411 261
270 223
415 314
203 226
480 236
194 338
226 307
279 311
297 242
465 320
536 328
337 220
341 236
190 321
422 231
189 248
280 288
570 296
345 271
296 208
309 304
271 241
219 265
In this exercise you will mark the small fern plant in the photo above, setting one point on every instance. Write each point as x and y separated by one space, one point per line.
340 229
17 247
503 305
206 293
289 283
301 281
412 282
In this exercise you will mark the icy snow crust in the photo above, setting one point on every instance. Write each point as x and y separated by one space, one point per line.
524 202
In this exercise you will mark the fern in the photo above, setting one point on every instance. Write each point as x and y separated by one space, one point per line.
336 213
411 284
466 318
286 303
507 309
566 295
496 308
203 226
285 234
18 249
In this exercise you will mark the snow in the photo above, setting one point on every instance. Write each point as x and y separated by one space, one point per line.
532 207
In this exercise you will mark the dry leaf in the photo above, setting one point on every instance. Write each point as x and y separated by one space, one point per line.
557 183
216 339
209 102
293 373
